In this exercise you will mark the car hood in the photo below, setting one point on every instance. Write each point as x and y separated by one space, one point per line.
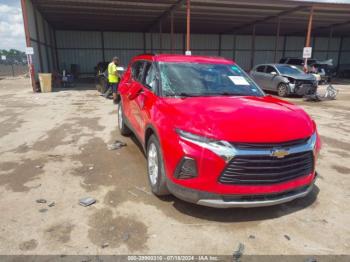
240 119
309 77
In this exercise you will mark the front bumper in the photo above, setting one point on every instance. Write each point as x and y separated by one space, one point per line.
231 201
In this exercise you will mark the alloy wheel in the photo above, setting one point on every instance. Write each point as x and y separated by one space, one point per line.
152 158
120 116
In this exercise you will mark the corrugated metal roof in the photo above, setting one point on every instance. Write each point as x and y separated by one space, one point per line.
207 16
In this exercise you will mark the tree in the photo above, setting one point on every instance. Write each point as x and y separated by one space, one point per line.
13 56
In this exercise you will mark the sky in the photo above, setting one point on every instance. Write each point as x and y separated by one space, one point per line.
11 25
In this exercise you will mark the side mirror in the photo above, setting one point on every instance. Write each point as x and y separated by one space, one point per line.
273 73
134 92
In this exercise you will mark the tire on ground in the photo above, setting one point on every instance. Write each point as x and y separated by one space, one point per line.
160 188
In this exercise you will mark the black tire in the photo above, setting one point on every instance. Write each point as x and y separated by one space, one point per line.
123 128
103 85
159 187
282 90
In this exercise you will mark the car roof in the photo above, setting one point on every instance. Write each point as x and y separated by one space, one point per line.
184 58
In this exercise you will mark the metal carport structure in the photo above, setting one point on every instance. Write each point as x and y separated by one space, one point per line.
85 32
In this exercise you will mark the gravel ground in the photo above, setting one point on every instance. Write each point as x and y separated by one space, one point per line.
53 147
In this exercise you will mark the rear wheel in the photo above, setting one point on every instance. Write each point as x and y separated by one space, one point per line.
155 168
124 130
282 90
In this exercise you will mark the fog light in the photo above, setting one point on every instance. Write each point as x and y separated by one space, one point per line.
187 168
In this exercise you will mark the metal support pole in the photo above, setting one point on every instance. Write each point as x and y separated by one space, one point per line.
151 34
277 38
339 53
329 41
28 43
56 51
308 34
284 46
46 48
172 32
144 42
52 49
160 37
234 47
38 40
103 47
188 26
252 51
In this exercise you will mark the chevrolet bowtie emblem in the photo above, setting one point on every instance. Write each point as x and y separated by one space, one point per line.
279 153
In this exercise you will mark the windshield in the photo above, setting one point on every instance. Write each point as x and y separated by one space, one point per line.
198 79
289 70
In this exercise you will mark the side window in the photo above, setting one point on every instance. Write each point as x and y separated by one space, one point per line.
260 69
270 69
136 70
150 80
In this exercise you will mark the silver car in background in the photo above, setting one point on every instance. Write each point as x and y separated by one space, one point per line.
284 79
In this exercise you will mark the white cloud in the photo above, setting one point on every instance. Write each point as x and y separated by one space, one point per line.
11 27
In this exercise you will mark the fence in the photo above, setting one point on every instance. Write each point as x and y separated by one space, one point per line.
13 70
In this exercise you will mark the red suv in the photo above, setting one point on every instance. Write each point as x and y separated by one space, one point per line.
211 135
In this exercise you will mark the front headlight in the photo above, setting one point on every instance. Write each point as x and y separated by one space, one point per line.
312 141
221 148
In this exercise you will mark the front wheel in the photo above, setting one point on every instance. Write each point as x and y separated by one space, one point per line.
282 90
155 167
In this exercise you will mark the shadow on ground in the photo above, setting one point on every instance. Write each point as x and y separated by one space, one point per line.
242 214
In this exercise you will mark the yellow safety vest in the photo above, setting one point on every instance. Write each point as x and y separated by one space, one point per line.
112 77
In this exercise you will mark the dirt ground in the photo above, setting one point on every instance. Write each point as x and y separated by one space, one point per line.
53 147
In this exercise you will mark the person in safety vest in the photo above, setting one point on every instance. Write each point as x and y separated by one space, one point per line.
113 77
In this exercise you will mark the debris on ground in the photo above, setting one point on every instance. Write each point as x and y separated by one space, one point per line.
132 193
52 204
143 189
287 237
104 245
87 201
251 237
311 260
125 236
43 210
41 201
91 168
116 145
39 167
238 252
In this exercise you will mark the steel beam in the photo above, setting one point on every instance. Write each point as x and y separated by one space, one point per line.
188 26
28 43
329 41
166 14
283 13
277 38
38 38
252 50
172 31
